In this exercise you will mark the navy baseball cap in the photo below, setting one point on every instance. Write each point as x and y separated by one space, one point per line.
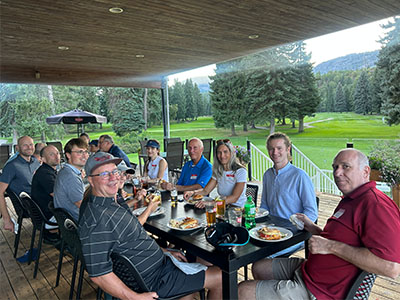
224 234
94 142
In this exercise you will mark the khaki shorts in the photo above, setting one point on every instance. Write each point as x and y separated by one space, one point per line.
288 284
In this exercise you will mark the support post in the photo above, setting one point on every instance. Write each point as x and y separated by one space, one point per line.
249 165
165 106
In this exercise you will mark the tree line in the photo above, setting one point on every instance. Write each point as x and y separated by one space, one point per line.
374 90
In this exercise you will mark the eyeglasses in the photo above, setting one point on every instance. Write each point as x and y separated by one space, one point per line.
223 141
106 175
81 152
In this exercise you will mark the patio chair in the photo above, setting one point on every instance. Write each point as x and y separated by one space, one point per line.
174 155
170 140
207 143
251 190
70 239
127 272
362 286
21 213
38 221
142 156
5 150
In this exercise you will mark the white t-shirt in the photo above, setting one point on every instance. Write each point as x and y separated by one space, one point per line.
227 182
154 166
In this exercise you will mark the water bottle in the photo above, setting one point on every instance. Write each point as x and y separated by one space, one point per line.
249 214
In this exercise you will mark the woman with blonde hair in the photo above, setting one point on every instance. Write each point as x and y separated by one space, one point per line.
229 176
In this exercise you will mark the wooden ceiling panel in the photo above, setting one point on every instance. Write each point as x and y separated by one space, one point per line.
173 36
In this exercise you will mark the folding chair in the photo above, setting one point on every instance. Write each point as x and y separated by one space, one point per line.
174 155
207 143
127 272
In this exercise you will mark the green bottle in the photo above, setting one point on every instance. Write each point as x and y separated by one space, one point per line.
249 214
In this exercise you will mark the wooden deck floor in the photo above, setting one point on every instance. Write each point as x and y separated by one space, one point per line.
16 279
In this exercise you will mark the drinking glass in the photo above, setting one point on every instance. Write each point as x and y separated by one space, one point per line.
210 207
220 200
235 216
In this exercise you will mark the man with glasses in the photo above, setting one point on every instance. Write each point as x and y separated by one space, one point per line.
69 187
17 174
106 226
106 144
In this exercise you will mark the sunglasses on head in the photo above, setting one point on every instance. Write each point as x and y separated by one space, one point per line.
223 141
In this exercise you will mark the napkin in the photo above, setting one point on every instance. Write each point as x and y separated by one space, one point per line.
295 221
187 268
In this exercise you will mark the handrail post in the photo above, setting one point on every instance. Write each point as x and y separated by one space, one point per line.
249 165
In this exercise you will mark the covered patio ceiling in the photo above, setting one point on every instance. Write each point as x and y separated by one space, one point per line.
83 43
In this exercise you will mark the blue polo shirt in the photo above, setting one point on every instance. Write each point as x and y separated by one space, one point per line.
18 174
196 174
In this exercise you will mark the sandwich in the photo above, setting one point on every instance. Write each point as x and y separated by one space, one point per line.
197 197
267 233
188 223
153 198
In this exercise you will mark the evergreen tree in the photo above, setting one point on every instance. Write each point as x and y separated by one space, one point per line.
198 100
177 97
389 68
191 108
340 99
362 98
376 91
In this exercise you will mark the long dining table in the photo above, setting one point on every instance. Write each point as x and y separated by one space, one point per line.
194 242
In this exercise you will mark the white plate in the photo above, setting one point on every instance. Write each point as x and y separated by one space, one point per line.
180 229
262 212
253 233
158 211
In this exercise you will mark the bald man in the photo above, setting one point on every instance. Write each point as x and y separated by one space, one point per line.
17 175
44 179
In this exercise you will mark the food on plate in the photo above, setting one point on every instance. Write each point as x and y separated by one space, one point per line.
267 233
153 198
197 197
186 223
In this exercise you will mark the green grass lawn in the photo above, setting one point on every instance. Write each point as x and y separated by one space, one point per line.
320 142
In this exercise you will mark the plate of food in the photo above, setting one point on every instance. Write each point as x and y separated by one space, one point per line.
194 199
159 211
184 224
261 212
270 233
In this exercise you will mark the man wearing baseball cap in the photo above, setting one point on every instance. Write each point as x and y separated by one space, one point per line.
106 226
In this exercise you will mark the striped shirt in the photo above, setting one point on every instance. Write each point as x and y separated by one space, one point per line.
106 227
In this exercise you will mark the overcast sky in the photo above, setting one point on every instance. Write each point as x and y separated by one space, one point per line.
354 40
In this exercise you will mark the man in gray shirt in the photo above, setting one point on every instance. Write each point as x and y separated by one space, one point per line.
17 174
69 187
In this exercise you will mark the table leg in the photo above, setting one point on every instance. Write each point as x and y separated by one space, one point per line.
229 285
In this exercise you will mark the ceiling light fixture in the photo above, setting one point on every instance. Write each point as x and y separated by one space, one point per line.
116 10
254 36
139 55
63 48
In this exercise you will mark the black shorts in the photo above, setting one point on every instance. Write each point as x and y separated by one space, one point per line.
173 281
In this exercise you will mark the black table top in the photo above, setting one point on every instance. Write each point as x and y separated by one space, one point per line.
195 243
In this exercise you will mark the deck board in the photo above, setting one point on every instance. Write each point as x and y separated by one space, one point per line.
17 283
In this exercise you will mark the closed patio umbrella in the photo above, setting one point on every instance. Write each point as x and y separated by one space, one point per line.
76 116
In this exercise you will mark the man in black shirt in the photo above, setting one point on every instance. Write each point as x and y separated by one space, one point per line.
44 178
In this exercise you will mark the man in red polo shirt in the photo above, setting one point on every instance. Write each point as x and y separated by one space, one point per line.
361 234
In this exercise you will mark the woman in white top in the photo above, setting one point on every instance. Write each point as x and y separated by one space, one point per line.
228 174
156 167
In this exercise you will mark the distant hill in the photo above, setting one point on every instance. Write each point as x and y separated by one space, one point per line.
353 61
203 82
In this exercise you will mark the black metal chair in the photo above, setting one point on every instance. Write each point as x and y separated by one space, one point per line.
38 221
129 275
170 140
5 150
21 213
207 144
251 190
174 156
70 238
362 286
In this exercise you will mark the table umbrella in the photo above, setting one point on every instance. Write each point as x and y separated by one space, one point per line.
76 116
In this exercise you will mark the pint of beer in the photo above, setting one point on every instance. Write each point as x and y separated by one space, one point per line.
220 206
210 212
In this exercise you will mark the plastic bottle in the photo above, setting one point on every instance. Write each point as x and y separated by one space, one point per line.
249 214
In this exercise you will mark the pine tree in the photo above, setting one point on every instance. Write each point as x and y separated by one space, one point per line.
362 98
191 108
340 99
389 68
